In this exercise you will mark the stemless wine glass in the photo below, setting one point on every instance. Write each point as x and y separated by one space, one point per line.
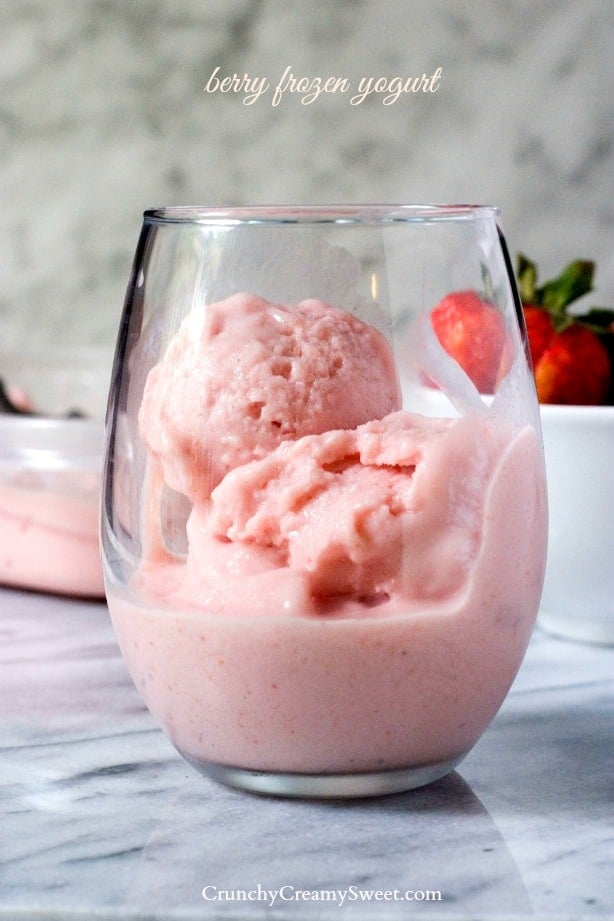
324 514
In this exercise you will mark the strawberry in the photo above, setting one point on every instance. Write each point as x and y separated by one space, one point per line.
571 354
539 330
573 368
473 332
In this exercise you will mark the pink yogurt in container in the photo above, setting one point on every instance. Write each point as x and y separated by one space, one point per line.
50 464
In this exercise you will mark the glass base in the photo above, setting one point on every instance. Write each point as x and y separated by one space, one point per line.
325 786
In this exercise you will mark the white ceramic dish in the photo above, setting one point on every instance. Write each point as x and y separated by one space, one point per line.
50 467
578 596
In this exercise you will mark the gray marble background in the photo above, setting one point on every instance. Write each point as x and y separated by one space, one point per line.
103 114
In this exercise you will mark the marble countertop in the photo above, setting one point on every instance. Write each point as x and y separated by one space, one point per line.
101 819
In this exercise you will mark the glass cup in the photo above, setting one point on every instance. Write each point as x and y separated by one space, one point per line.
324 513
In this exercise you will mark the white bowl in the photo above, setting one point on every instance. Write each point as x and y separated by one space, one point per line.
578 596
50 467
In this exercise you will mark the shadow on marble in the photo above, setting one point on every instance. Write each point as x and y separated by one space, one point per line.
552 755
438 838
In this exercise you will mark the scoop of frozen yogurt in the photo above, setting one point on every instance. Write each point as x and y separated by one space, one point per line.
243 375
393 508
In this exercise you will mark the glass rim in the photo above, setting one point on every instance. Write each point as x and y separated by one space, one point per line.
317 214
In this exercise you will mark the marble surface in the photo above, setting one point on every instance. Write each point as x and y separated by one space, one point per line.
103 114
101 819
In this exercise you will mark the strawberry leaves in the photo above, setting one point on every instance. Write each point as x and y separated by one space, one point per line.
555 295
573 361
526 275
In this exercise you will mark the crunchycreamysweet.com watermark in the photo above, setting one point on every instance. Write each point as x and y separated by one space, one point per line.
310 88
339 897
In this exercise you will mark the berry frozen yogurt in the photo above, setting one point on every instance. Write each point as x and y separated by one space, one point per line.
49 534
49 499
243 375
360 582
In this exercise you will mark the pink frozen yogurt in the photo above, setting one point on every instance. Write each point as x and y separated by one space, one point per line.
244 374
49 504
365 514
49 537
360 583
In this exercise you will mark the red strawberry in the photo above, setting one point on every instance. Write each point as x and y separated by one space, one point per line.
573 368
539 330
473 332
570 353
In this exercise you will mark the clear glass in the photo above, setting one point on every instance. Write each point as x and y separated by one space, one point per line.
323 532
